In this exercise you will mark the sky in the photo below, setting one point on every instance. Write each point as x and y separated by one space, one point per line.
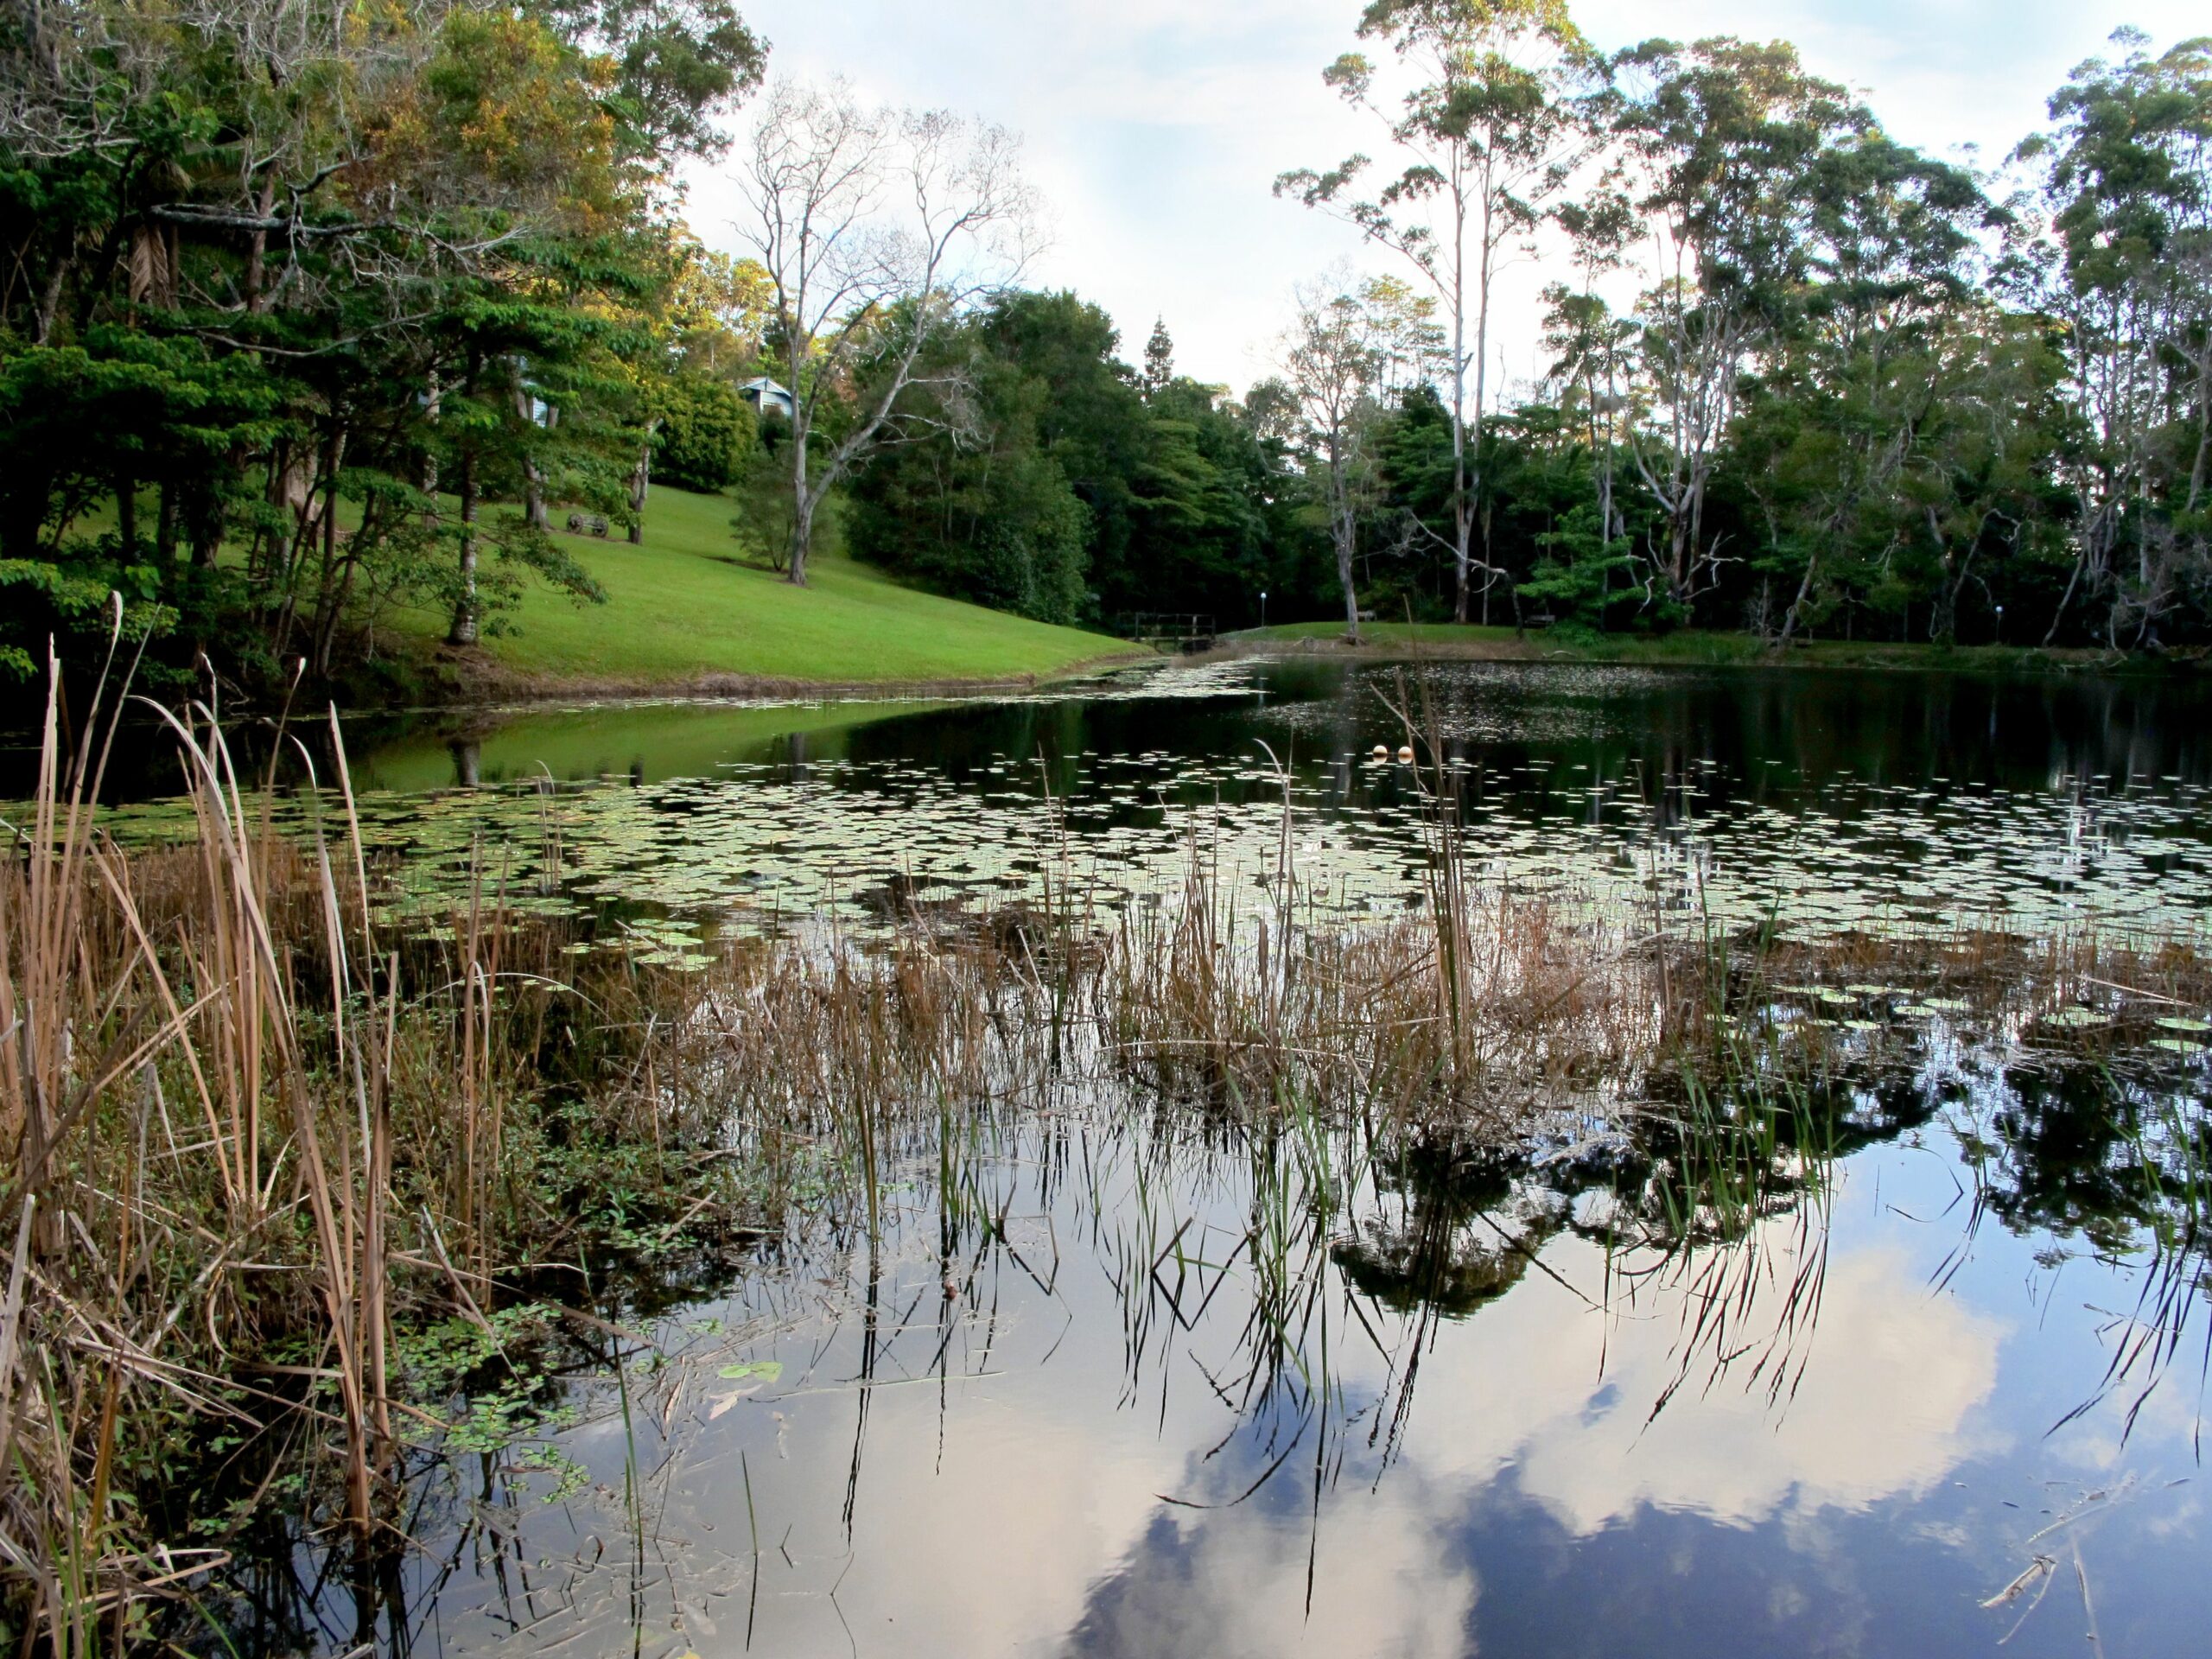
1154 129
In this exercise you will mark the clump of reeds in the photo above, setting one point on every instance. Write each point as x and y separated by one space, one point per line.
1477 1018
241 1122
194 1079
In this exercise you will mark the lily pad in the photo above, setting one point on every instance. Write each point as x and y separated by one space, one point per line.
768 1371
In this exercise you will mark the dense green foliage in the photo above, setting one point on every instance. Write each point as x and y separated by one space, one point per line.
296 291
1057 481
708 437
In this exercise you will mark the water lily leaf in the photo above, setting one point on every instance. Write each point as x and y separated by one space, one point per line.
2081 1017
766 1370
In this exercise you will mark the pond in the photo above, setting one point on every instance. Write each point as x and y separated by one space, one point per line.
1099 1381
1826 799
1819 800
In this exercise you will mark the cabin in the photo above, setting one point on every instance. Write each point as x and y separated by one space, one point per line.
765 396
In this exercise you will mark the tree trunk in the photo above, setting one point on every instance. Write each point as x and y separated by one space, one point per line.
49 302
126 515
1344 577
640 481
802 507
802 540
1471 483
1804 592
1462 520
256 252
533 496
1462 517
1343 530
337 596
533 475
431 401
322 624
2065 599
165 536
205 532
465 620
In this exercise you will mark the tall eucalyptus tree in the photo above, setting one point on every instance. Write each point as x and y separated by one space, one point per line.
1716 142
1333 357
878 230
2125 195
1486 136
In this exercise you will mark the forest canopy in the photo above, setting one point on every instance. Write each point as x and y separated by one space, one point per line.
295 289
312 314
1800 378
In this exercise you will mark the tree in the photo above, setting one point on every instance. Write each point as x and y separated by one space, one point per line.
677 67
707 435
2126 267
1489 134
1406 333
978 506
1591 367
336 258
1333 359
1159 360
719 310
1861 369
878 230
1718 141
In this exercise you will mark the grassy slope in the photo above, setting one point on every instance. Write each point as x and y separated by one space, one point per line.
680 610
1688 648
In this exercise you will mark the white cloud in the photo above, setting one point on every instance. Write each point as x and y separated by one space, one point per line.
1886 1353
1383 1583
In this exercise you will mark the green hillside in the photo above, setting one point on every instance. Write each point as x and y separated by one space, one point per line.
681 611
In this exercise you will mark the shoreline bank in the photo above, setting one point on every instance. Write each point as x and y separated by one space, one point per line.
1447 642
478 681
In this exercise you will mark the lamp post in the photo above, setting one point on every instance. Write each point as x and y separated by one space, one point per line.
2001 625
1263 607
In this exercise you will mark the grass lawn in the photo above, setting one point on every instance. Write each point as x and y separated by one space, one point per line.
680 611
1688 647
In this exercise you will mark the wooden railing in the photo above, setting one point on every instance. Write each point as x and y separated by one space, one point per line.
1184 630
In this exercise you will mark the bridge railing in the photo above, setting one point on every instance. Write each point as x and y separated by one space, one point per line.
1156 627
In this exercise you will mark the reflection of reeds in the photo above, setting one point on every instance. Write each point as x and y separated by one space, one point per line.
253 1132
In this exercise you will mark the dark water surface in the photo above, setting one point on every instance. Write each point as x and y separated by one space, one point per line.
1825 800
1116 1383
